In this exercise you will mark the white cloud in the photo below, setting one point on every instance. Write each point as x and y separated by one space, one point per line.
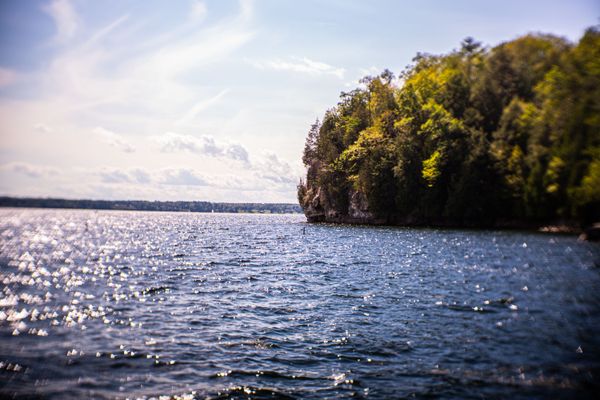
140 175
109 83
114 176
173 142
182 176
206 145
275 170
113 139
258 183
301 65
30 170
129 175
237 152
65 18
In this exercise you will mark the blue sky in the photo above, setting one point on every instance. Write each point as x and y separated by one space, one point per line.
209 100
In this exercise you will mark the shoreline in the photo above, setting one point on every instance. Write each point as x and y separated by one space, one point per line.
146 205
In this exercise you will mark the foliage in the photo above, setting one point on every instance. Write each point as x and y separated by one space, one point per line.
476 136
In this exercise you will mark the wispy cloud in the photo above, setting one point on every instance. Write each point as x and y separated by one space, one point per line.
200 106
302 65
113 139
117 68
112 84
65 18
98 36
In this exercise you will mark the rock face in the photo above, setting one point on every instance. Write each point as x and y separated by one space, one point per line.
313 206
318 208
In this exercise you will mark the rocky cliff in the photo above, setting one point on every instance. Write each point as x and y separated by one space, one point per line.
318 208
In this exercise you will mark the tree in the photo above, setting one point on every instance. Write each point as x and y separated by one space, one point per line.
310 146
476 136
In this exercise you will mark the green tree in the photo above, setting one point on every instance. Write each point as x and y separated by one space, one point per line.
473 137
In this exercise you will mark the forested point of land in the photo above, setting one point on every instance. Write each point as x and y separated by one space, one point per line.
501 136
139 205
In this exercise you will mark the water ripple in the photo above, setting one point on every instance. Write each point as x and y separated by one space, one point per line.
167 305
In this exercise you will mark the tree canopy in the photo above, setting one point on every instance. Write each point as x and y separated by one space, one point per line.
473 137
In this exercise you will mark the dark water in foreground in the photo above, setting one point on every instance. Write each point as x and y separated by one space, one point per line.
130 304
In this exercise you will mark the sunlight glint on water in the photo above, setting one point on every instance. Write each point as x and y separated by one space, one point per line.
132 304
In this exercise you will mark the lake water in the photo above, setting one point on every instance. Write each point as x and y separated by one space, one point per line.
141 305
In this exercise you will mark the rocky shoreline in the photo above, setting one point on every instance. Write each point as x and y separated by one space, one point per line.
317 210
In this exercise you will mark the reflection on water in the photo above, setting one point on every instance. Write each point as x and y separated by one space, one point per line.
141 305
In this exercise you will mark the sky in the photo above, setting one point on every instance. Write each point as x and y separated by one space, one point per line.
210 100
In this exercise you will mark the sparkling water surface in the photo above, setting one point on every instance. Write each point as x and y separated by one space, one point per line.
110 304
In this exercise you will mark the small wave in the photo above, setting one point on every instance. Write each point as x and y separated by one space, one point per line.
252 392
465 308
262 373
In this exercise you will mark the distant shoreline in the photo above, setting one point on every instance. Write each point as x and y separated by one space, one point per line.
144 205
